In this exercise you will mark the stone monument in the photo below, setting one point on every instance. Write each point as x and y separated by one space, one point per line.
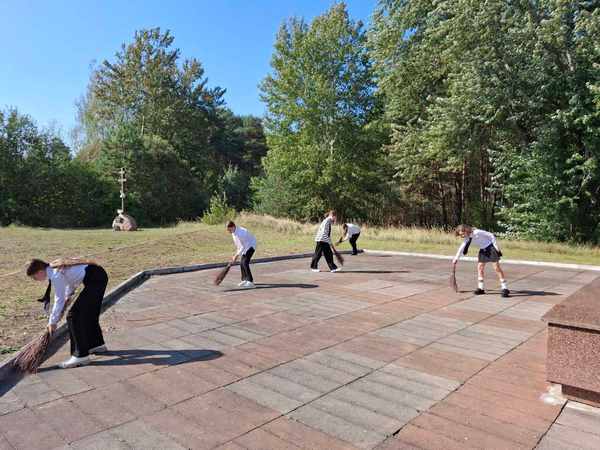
123 222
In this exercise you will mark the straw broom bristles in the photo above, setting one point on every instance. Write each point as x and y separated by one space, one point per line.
32 356
222 274
453 283
338 256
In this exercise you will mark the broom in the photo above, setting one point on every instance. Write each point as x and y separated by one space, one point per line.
32 356
338 256
222 274
453 283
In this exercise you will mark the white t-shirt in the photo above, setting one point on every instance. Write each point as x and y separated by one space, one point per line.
480 238
243 240
64 281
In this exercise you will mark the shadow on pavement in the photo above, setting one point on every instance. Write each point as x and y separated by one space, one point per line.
275 286
373 271
155 357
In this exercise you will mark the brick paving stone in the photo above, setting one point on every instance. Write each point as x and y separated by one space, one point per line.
103 410
428 440
10 402
398 411
264 396
379 348
35 393
101 441
171 385
572 437
465 434
260 439
357 435
64 382
507 431
396 444
420 389
306 437
399 396
139 435
580 417
4 444
437 362
61 412
421 377
25 431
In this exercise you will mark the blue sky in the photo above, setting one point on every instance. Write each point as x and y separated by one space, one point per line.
48 47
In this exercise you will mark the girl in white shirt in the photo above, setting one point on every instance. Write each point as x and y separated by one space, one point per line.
83 317
245 244
489 252
351 233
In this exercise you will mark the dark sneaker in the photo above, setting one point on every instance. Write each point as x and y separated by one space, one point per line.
505 293
479 291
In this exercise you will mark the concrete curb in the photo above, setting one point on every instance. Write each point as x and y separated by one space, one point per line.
7 368
471 258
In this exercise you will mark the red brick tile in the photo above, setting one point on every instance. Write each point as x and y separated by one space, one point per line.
307 437
428 440
467 315
444 364
259 439
102 409
499 412
68 420
487 424
512 323
465 434
535 407
396 444
380 348
24 430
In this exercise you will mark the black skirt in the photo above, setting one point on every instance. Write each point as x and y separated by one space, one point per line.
489 255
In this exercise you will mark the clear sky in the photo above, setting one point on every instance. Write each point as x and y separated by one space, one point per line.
48 47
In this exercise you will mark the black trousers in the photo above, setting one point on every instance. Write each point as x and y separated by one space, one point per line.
245 265
323 248
83 317
352 241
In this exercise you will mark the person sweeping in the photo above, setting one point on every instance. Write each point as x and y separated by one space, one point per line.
489 252
83 317
351 234
324 245
245 243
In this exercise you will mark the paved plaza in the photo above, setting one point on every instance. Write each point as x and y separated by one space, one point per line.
382 355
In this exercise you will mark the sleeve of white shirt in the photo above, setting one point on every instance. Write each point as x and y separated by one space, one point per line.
460 250
60 297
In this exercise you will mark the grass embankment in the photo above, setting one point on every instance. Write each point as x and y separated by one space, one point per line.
124 254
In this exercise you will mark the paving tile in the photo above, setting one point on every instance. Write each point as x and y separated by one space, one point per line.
140 435
307 437
572 437
102 409
357 435
260 439
264 396
464 434
584 419
25 431
285 387
60 412
507 431
427 440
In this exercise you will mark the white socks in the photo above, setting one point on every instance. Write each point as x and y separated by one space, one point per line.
480 284
503 284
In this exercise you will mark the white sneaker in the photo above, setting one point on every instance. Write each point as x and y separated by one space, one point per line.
74 361
100 349
242 283
249 285
315 270
339 269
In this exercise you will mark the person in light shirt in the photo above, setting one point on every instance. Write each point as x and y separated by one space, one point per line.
245 244
324 245
489 252
83 317
351 233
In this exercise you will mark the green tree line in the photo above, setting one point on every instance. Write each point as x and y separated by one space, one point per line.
436 113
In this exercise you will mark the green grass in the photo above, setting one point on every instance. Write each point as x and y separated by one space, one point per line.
124 254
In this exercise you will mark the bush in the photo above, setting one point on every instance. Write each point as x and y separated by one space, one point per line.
219 211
